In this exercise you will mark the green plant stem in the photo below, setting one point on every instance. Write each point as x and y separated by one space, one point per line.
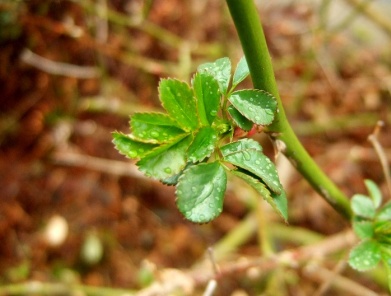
251 35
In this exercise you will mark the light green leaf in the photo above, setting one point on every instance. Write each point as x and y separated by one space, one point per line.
203 144
178 100
129 147
386 258
166 160
239 119
200 192
241 72
363 229
253 160
220 70
363 206
278 202
385 212
374 192
365 256
154 128
207 93
256 105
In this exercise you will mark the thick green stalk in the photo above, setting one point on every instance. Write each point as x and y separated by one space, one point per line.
252 38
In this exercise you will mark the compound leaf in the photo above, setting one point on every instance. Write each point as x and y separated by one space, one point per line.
278 202
207 93
254 161
130 147
241 72
178 100
203 144
363 206
220 70
239 119
365 256
154 128
200 192
166 160
256 105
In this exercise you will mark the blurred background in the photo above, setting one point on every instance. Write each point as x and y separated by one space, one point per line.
75 211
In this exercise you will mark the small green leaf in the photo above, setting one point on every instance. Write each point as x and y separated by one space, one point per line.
374 192
203 144
166 160
256 105
385 212
253 160
241 72
178 100
363 206
220 70
365 256
239 119
156 128
278 202
363 229
207 93
200 192
129 147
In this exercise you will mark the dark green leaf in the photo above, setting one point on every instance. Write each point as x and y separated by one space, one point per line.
178 100
129 147
374 192
246 154
363 206
363 229
278 202
200 192
385 212
220 70
256 105
203 144
154 128
239 119
166 160
206 90
241 72
365 256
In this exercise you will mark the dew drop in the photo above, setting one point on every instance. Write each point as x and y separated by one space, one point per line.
246 155
167 170
132 153
257 118
257 162
154 134
213 113
251 109
211 147
211 205
194 189
179 191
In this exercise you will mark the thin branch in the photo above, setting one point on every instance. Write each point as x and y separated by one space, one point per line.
373 138
58 68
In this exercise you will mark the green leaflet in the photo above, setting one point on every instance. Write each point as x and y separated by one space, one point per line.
200 192
256 105
206 90
166 160
247 155
374 192
365 256
239 119
203 144
220 70
178 100
278 202
156 128
129 147
241 72
363 206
